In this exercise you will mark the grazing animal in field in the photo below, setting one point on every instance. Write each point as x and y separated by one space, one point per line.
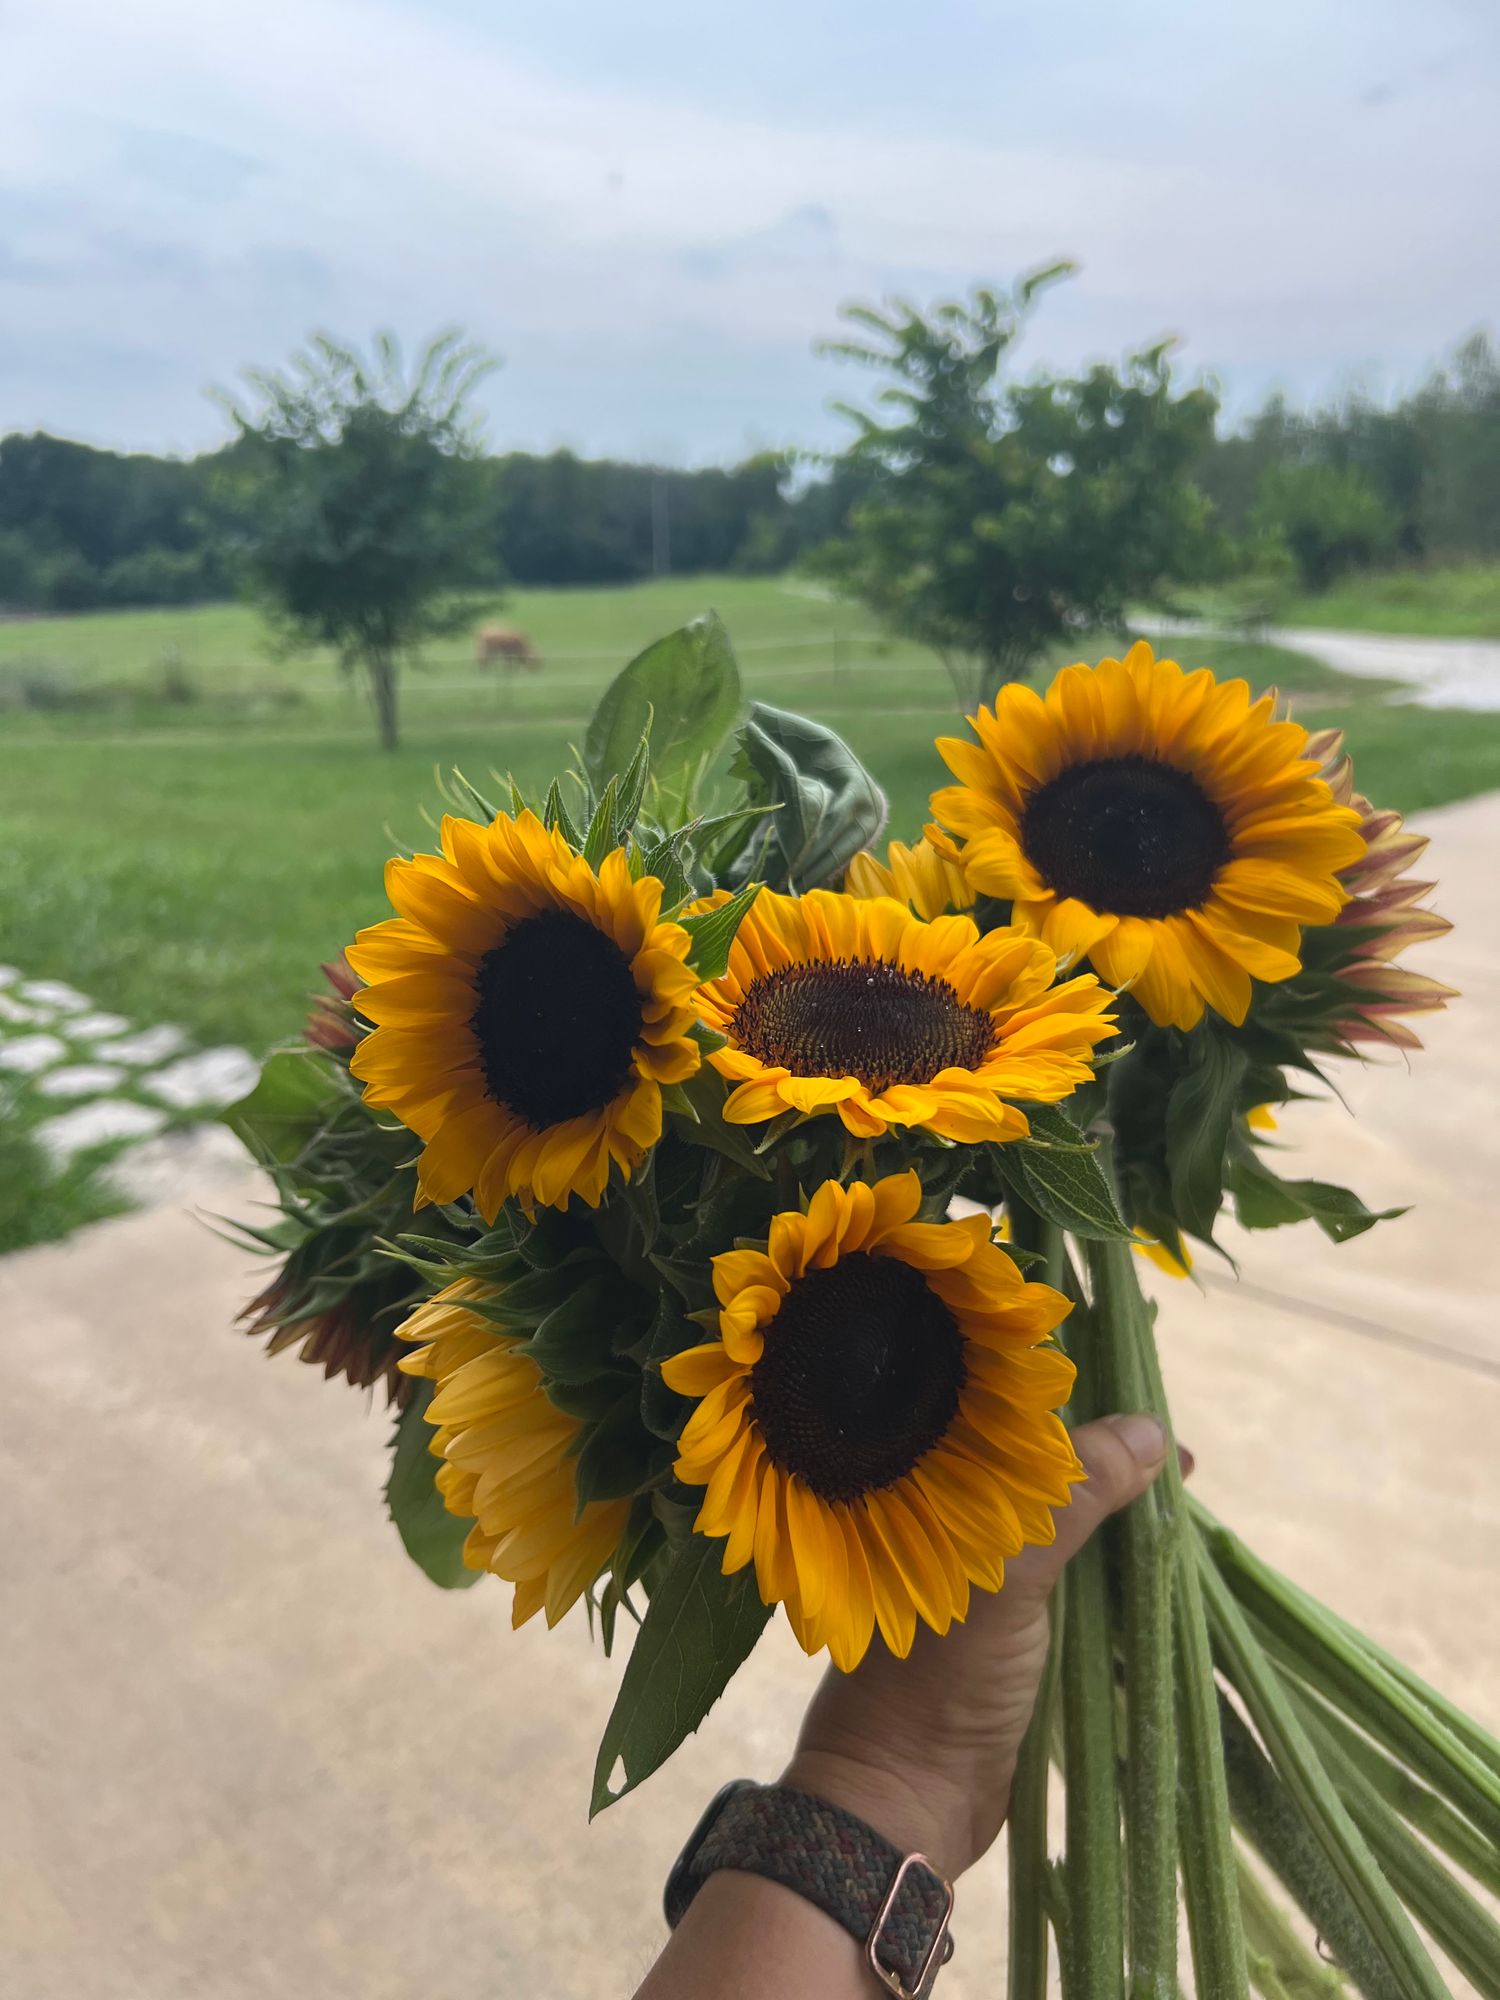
508 644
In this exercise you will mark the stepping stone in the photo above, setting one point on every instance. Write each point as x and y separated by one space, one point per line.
8 973
214 1076
30 1054
152 1045
92 1027
96 1124
13 1011
79 1080
176 1166
53 993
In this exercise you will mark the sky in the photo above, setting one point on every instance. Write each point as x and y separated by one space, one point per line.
654 212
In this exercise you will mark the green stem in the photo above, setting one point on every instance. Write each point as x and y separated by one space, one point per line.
1470 1937
1032 1884
1145 1542
1026 1838
1391 1703
1267 1815
1093 1966
1300 1603
1095 1969
1203 1823
1281 1966
1418 1806
1299 1766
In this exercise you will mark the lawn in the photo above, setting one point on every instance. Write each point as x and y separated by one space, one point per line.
191 859
1457 602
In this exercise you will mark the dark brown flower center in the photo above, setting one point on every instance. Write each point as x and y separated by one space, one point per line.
861 1374
860 1017
1126 835
557 1019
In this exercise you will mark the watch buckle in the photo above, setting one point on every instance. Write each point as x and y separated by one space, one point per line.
892 1981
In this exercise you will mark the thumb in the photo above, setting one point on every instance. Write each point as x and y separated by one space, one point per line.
1121 1456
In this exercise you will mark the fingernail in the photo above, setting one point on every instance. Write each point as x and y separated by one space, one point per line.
1142 1436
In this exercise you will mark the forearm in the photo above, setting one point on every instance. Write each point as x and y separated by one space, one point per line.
746 1936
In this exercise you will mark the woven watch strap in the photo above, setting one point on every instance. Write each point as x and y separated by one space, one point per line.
831 1858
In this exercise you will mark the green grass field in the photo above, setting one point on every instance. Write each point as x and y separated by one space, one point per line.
188 825
1459 602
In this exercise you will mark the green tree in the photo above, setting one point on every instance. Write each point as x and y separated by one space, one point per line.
1328 517
362 499
999 516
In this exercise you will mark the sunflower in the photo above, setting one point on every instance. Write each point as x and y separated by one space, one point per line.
528 1011
354 1336
922 877
507 1457
875 1429
1158 823
1382 918
834 1003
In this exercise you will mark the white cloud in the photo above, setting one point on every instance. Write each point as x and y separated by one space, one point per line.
273 165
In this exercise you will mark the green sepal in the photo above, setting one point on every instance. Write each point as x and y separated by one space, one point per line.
633 785
601 836
699 1629
592 1400
663 1410
714 931
575 1342
432 1537
555 813
617 1454
527 1301
462 793
705 1092
1200 1116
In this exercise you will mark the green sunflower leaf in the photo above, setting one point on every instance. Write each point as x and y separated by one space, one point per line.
713 933
830 806
1061 1176
296 1092
433 1538
1200 1117
689 683
1263 1200
699 1629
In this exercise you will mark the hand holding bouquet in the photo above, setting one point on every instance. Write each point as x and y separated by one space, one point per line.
778 1206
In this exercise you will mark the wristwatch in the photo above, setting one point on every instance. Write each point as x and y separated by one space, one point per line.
896 1906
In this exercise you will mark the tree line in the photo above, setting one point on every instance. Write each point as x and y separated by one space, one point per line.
83 529
1314 492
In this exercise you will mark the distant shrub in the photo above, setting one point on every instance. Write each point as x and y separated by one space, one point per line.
159 576
1329 518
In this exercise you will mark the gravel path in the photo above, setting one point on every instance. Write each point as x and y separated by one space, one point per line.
1443 673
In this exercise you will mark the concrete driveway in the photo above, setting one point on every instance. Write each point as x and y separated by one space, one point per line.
248 1751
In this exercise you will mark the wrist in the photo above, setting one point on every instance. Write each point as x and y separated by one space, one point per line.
917 1811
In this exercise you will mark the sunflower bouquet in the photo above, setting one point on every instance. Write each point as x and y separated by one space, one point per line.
736 1218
